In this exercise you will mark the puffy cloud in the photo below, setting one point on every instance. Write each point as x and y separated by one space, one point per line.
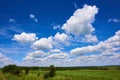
33 17
84 50
109 46
4 60
43 44
90 38
35 55
61 37
81 21
114 20
55 51
25 37
58 56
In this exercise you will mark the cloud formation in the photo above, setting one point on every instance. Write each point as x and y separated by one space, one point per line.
43 44
81 21
79 30
58 56
61 37
109 46
4 60
37 55
25 37
90 38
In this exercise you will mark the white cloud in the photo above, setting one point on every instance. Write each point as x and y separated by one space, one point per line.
90 38
12 20
56 27
114 20
55 51
81 21
4 60
25 37
112 45
58 56
43 44
61 37
33 17
84 50
37 55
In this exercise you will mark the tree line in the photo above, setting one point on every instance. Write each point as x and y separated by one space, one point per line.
18 70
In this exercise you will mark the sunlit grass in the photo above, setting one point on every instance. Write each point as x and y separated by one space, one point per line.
66 75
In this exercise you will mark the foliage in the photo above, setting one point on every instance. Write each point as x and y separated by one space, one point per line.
82 74
26 71
52 71
46 75
12 69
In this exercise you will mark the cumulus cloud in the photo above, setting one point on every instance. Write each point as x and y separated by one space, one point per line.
55 51
43 44
114 20
61 37
37 55
112 45
33 17
25 37
4 60
90 38
58 56
81 21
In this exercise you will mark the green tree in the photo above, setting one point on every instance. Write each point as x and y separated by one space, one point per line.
12 69
52 71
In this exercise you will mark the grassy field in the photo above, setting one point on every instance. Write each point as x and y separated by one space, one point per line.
67 75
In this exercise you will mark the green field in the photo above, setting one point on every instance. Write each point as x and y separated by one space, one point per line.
67 75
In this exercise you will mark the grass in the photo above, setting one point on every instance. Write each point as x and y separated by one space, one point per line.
92 74
67 75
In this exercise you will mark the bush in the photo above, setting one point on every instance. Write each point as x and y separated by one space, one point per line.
46 75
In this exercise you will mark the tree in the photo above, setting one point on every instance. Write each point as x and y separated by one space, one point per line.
12 69
52 71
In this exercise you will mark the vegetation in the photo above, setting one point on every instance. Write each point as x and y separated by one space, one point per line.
12 69
63 73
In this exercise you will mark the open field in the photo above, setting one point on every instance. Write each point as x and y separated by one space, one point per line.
67 75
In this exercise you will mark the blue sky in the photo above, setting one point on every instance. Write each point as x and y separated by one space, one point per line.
62 33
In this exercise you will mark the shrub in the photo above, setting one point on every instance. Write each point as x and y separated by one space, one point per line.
46 75
26 71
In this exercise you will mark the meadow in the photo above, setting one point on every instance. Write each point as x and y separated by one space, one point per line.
81 74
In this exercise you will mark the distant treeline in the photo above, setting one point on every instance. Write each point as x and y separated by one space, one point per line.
75 68
71 68
82 68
